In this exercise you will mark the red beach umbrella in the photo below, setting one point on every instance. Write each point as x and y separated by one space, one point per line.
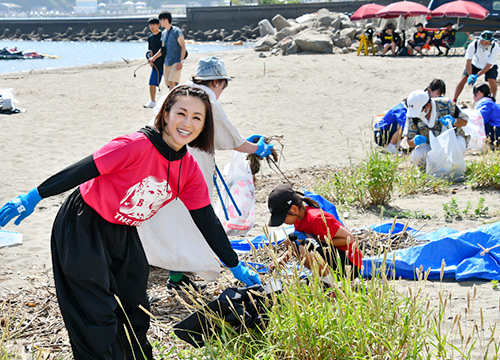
461 9
366 11
403 8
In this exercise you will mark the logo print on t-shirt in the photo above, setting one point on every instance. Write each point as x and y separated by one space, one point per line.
145 198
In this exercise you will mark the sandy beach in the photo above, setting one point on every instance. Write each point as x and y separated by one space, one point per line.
323 106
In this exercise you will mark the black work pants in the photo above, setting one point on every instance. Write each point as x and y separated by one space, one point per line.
94 260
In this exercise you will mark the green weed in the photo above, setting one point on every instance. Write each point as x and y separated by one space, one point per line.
451 210
405 214
485 172
495 284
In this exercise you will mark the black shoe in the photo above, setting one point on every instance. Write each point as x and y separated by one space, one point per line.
185 283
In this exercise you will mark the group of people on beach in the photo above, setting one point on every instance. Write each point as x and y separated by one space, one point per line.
421 39
425 111
121 198
123 194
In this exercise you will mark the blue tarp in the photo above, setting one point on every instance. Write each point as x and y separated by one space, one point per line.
459 250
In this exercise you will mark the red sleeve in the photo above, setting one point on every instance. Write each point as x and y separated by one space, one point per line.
115 155
194 192
322 230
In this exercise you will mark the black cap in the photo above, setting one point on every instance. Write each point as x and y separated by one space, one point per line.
487 35
279 202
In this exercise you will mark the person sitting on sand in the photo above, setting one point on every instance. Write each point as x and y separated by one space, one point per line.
490 111
389 131
389 39
419 40
426 115
97 255
317 231
211 77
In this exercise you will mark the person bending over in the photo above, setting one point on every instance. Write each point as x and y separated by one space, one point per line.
317 231
489 110
426 115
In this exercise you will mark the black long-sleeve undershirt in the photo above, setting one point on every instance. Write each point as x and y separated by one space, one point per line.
68 178
209 225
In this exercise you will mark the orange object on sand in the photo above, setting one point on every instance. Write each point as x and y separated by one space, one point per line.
238 43
426 46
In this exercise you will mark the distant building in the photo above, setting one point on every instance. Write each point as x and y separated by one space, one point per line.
85 6
9 8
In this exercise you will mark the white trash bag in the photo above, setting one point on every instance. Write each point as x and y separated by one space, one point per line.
475 129
239 180
7 100
445 159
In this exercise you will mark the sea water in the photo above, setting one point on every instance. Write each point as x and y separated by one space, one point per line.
90 52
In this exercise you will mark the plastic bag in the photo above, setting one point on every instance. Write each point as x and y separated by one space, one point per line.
7 100
475 129
239 180
445 159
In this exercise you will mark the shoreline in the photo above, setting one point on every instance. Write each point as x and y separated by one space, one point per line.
323 106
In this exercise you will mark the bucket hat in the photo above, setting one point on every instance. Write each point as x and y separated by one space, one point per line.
211 68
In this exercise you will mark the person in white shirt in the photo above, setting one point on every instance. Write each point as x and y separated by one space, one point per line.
481 59
211 77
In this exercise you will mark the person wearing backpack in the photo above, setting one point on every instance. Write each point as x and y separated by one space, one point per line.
481 59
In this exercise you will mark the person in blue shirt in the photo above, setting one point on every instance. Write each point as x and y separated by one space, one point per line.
173 48
388 131
490 111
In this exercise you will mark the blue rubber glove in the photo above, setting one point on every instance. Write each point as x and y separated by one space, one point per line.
23 206
254 138
471 79
447 120
245 275
419 139
300 235
263 148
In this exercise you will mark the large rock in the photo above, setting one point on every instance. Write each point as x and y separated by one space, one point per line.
265 44
280 22
313 42
289 46
342 41
265 28
289 31
327 19
349 32
346 24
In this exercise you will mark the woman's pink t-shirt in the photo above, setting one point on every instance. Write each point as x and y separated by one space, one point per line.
136 181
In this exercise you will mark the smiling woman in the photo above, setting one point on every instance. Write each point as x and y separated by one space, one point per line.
186 118
97 254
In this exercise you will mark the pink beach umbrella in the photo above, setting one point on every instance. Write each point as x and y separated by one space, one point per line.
366 11
461 9
404 9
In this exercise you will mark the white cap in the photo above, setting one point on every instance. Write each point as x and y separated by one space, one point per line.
416 101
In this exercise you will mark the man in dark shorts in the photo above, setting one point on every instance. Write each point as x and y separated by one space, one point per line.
154 44
419 40
481 59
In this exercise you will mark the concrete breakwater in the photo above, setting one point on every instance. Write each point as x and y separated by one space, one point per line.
229 23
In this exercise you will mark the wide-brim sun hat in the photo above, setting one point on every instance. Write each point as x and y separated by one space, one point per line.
211 68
